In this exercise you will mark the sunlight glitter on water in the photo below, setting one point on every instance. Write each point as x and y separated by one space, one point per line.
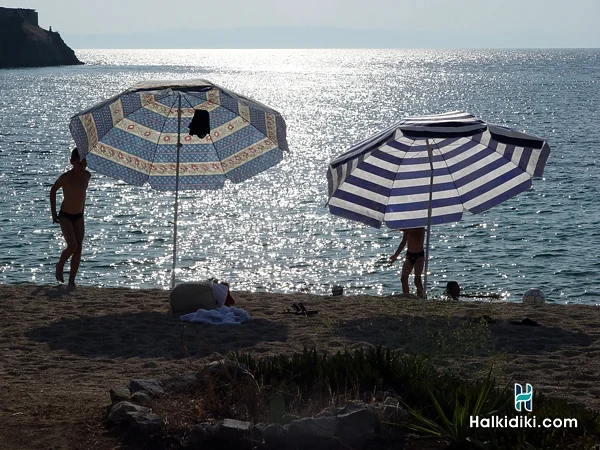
274 232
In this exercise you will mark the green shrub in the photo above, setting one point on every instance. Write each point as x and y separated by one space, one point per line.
439 404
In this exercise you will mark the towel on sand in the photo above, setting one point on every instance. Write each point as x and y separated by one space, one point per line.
222 316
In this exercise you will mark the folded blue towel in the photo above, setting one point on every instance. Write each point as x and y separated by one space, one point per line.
225 315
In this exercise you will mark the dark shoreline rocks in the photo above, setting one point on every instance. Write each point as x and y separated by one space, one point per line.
358 425
24 44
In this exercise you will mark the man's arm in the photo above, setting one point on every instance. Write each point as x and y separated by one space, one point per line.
55 187
89 177
400 248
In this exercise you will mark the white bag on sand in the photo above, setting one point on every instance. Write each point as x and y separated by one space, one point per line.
191 296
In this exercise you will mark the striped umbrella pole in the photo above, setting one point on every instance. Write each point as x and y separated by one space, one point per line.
430 154
176 191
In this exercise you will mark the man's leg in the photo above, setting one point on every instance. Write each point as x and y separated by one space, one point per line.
419 264
79 228
68 232
406 270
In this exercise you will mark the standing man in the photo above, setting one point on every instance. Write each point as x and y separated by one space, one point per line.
415 258
74 184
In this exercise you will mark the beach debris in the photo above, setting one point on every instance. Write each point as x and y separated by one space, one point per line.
235 426
337 290
534 296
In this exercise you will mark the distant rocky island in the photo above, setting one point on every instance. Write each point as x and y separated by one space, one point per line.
24 44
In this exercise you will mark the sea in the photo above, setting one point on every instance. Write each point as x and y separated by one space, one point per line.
274 232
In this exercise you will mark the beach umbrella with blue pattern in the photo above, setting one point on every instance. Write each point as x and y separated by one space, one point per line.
141 136
428 170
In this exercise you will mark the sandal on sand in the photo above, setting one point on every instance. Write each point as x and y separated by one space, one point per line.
306 311
300 310
527 321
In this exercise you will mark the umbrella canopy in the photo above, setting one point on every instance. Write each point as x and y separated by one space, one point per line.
136 136
133 136
429 170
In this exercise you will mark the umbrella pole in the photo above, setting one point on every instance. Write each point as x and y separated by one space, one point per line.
176 193
430 154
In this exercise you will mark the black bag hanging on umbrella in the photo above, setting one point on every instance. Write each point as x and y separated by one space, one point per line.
200 124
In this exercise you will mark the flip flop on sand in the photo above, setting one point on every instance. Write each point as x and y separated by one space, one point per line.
300 310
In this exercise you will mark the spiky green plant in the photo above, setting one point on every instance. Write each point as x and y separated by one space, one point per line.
455 427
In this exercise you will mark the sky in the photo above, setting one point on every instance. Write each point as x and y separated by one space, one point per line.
387 23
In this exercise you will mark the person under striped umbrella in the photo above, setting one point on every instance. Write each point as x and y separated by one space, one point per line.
427 170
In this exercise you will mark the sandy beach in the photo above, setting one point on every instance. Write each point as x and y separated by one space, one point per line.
61 351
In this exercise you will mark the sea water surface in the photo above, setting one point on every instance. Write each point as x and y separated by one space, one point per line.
274 232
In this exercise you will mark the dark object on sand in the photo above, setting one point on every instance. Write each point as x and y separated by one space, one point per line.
527 321
453 289
337 290
300 310
200 124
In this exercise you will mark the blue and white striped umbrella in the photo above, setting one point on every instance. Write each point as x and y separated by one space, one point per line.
429 170
141 136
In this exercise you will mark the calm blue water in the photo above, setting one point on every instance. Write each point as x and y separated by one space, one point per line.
274 231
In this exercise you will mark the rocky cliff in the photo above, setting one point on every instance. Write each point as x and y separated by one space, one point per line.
24 44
